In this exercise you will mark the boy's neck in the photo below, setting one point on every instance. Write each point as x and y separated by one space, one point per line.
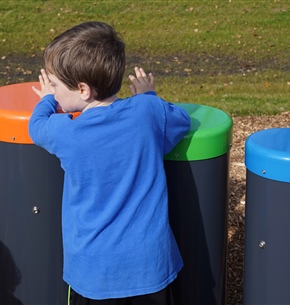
102 103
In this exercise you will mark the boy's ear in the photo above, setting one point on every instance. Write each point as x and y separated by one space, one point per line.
85 91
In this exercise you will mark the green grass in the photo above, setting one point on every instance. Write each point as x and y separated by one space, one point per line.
242 95
255 32
235 94
243 28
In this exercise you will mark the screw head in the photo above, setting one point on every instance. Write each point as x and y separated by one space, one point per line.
262 244
35 210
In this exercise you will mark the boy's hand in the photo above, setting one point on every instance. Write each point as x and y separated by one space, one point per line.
140 83
44 84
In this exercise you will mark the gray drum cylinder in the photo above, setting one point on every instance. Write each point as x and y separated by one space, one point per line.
197 173
267 227
31 182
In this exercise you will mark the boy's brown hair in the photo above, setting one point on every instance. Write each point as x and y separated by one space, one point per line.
91 52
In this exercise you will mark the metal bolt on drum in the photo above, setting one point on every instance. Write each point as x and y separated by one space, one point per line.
262 244
35 210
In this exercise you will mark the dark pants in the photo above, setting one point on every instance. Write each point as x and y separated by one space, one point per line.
163 297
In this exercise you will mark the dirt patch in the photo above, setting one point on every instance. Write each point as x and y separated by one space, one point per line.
19 68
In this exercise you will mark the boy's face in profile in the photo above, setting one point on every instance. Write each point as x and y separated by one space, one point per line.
69 100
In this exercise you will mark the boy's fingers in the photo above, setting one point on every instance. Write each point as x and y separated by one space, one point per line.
151 77
44 76
131 77
40 78
137 82
36 91
132 89
140 74
137 72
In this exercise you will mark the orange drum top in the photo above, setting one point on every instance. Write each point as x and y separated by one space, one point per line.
17 102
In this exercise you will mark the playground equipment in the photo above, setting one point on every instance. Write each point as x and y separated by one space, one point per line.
197 176
267 246
31 182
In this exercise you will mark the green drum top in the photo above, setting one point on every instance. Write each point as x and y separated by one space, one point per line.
210 134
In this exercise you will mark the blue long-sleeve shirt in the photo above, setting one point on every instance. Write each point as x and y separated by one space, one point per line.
116 235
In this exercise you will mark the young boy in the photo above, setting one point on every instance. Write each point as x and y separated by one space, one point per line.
118 244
